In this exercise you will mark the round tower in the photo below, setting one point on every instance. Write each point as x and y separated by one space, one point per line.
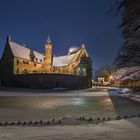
48 53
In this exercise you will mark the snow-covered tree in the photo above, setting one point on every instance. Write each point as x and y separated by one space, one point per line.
129 53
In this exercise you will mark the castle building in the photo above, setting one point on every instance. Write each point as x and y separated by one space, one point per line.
20 64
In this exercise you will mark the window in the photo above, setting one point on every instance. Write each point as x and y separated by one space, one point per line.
17 62
25 62
81 71
25 71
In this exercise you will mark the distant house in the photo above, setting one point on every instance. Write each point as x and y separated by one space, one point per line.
21 66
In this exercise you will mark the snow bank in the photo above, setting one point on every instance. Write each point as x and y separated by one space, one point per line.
113 130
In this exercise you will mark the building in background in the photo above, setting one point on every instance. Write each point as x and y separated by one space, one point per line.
21 66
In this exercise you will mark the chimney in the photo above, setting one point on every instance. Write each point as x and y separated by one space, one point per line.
9 39
83 46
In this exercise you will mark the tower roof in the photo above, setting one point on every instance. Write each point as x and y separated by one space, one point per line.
48 41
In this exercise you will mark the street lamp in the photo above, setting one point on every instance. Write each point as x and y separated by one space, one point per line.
110 77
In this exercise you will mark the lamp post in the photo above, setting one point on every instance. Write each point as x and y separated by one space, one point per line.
110 77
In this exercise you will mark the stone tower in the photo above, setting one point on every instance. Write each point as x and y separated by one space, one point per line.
48 55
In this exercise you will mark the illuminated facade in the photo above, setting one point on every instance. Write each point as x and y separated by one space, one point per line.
18 59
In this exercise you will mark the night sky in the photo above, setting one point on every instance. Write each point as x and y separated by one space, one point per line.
67 22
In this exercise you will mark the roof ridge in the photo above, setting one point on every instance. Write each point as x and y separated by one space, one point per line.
19 44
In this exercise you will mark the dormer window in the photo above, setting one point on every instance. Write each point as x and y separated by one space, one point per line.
36 59
32 55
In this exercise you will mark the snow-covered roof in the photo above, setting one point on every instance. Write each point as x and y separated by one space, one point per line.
135 76
66 59
62 60
128 73
24 53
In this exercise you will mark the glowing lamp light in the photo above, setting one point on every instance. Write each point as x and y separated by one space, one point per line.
110 77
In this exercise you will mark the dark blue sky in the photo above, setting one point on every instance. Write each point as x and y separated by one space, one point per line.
68 22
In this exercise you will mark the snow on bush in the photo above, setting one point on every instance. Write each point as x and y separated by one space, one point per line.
127 73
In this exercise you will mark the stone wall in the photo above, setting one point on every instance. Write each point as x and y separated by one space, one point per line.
22 66
48 81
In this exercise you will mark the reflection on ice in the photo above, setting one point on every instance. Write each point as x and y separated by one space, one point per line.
78 101
56 102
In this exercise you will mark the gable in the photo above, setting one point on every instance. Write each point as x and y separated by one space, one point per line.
70 58
24 53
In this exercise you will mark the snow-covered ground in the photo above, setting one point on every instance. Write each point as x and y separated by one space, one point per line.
124 92
25 104
113 130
